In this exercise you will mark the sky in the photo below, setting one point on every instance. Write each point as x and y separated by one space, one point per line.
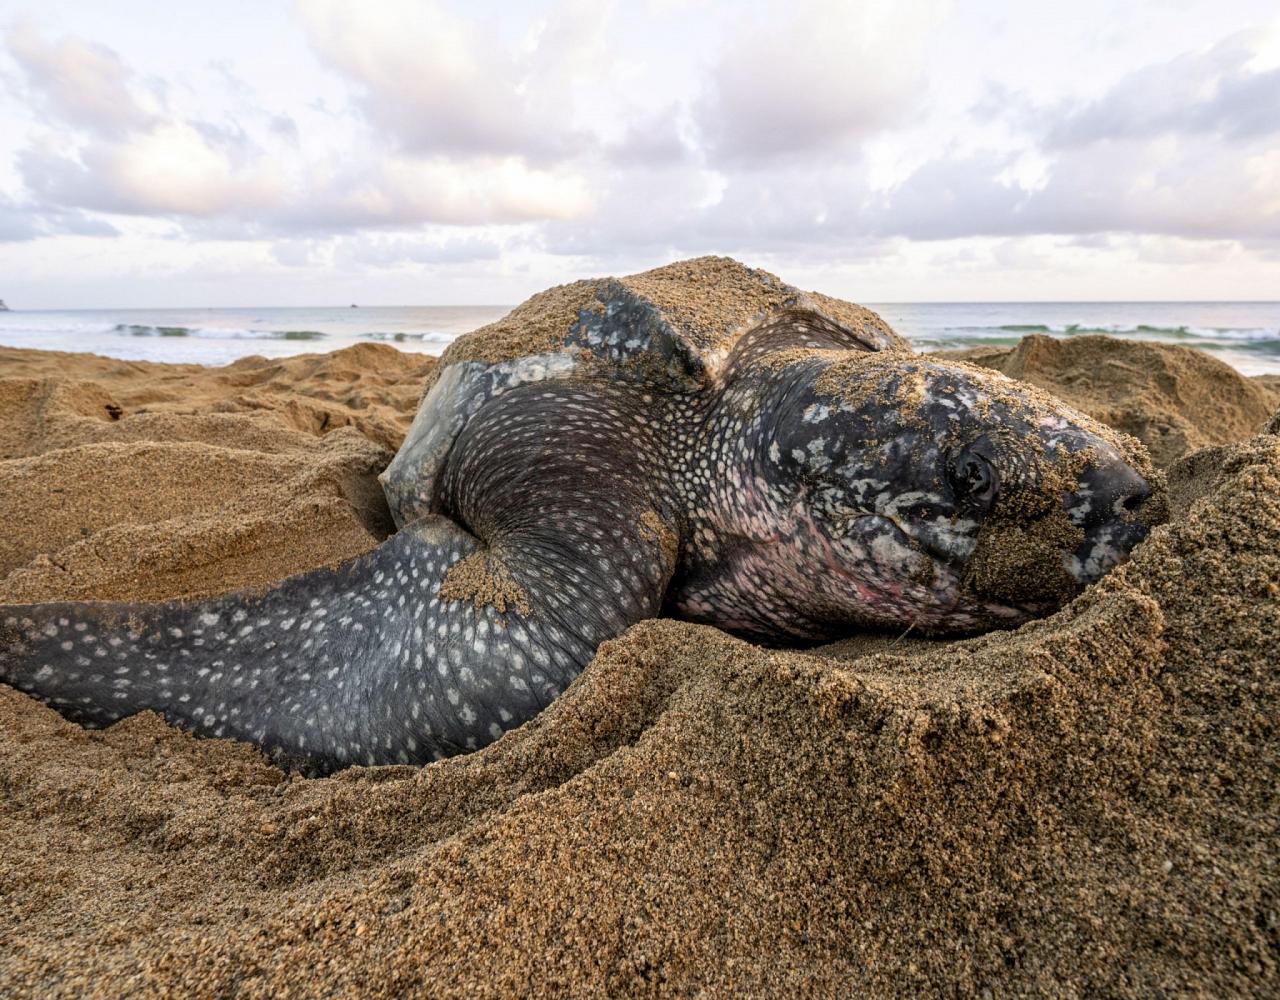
426 152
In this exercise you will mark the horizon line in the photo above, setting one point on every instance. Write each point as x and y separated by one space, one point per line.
501 305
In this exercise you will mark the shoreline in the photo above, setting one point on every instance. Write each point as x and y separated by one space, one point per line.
1245 334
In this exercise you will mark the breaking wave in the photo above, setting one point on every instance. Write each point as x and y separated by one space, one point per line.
145 330
1233 334
401 337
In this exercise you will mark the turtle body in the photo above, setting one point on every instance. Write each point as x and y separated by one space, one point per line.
618 330
701 440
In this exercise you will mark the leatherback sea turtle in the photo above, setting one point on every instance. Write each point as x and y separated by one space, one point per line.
700 440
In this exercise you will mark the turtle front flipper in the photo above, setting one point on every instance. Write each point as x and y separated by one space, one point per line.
307 670
412 652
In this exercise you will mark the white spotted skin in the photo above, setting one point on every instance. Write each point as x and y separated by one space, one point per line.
821 514
729 491
282 672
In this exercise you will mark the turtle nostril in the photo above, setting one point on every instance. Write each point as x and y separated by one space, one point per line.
1133 498
1135 502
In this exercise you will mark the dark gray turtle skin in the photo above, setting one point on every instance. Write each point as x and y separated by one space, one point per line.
789 472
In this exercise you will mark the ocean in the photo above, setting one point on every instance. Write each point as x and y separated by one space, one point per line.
1243 334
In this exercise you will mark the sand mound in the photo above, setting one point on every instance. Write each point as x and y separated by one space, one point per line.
132 480
1085 806
1172 399
50 399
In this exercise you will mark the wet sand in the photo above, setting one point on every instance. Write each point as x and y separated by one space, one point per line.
1088 805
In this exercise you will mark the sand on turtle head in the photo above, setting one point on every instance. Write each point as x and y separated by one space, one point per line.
1018 555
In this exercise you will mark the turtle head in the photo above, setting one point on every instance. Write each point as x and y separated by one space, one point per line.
896 491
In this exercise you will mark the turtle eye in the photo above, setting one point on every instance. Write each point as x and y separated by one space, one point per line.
973 475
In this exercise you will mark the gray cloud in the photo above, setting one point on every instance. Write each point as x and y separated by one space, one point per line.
117 179
649 207
294 253
652 141
948 198
1191 189
242 177
1266 249
17 224
222 185
1175 149
73 223
816 77
382 252
811 210
1212 93
78 82
286 128
365 251
20 222
392 193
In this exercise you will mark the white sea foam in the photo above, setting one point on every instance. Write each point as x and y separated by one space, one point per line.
406 338
213 333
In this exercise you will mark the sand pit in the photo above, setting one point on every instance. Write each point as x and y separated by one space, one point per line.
1085 806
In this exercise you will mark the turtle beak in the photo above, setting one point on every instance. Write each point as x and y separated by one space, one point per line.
1107 506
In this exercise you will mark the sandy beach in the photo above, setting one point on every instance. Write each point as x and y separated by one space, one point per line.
1088 805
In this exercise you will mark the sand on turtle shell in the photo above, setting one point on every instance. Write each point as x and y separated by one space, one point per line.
707 301
1087 806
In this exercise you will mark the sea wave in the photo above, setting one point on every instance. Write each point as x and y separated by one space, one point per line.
213 333
400 337
1226 341
1227 333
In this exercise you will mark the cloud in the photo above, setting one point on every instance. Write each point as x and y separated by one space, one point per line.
253 176
807 210
637 208
119 157
72 223
948 198
824 74
1215 92
295 253
389 252
172 168
581 131
17 224
655 139
1170 186
440 83
393 192
286 128
1183 148
77 82
21 222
